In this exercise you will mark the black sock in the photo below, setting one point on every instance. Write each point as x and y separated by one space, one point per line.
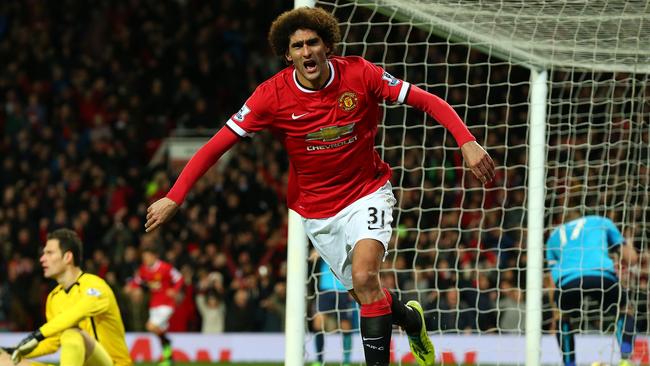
375 335
319 339
565 338
403 315
165 342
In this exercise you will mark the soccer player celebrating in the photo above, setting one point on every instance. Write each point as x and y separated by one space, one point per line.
83 318
577 253
164 283
325 111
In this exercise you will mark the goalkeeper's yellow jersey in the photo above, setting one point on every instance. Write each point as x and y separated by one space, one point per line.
88 304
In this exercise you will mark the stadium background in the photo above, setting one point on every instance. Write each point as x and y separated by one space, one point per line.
89 91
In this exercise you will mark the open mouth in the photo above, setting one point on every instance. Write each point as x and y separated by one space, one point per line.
310 66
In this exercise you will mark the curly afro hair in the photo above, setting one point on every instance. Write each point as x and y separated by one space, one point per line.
316 19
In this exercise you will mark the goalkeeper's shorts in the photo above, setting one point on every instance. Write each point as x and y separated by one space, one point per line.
331 300
601 289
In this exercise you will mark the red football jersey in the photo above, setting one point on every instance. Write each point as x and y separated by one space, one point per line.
329 134
159 278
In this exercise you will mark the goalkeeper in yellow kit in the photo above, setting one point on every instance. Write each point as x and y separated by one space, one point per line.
83 319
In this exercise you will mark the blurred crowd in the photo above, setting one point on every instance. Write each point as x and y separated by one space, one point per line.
89 92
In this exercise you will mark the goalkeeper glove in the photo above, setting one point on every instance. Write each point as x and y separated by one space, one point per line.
8 350
26 346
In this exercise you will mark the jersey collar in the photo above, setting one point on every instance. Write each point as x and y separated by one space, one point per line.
155 265
307 90
76 282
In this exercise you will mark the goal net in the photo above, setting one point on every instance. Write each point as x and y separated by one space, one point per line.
460 248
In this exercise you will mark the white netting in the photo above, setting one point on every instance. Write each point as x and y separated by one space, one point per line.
601 34
598 157
459 247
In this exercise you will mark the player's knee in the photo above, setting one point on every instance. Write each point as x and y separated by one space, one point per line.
153 328
72 334
365 280
79 337
72 339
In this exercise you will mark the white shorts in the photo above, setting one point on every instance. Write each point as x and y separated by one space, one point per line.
159 316
334 238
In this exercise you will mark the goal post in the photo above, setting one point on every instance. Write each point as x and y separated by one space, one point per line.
536 82
297 253
535 235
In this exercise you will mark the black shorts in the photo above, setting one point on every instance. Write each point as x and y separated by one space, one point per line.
603 290
331 302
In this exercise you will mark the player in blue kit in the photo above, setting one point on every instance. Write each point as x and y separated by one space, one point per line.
578 255
333 302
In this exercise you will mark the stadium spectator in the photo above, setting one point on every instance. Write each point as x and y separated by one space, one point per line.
212 310
483 297
455 314
185 317
512 309
274 309
240 313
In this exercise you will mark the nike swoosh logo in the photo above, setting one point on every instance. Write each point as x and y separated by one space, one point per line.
372 339
293 116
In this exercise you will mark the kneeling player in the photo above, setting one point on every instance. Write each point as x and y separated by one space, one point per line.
83 319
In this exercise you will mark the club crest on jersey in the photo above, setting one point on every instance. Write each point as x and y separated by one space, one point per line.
330 133
392 81
348 101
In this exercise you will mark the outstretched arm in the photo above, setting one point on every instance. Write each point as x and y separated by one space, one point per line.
478 161
476 158
163 209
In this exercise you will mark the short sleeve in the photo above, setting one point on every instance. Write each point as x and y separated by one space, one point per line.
614 236
383 85
552 244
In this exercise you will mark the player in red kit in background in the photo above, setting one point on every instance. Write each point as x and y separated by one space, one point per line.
164 283
325 110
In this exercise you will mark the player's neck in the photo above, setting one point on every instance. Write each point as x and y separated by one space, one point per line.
316 84
69 277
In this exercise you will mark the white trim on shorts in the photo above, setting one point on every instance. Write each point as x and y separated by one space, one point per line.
369 217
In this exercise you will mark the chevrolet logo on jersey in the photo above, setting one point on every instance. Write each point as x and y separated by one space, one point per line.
330 133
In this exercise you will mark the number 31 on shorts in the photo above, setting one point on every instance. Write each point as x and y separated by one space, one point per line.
376 218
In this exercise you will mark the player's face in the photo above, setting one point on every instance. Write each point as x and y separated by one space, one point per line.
52 260
308 54
148 258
